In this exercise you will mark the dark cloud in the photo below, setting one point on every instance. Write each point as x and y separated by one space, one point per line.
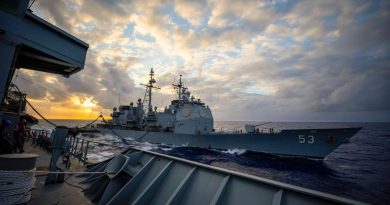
293 60
56 10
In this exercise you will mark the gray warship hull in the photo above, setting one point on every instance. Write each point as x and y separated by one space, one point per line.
313 143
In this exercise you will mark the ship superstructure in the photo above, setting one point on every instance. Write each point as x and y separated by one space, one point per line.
185 114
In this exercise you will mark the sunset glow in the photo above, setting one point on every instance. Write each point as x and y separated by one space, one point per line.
87 102
279 60
75 108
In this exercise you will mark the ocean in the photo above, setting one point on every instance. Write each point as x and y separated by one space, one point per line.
359 169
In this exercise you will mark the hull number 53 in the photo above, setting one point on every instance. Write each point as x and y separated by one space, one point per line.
309 139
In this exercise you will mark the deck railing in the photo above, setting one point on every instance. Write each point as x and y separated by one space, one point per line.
75 146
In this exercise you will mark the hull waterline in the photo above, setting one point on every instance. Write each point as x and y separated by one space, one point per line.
314 143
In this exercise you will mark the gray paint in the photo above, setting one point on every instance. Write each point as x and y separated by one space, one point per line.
58 147
163 179
286 142
27 41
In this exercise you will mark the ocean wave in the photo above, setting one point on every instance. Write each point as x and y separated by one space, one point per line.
234 151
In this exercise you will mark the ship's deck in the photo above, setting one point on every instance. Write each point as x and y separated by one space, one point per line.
69 192
138 176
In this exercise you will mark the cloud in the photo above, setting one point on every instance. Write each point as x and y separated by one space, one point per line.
233 13
193 11
249 60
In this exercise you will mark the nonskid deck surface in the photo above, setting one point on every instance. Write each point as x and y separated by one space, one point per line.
61 193
58 193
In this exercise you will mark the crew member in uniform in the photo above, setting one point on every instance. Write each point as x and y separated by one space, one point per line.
21 134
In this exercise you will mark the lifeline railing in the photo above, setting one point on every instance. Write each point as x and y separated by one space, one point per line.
40 137
75 146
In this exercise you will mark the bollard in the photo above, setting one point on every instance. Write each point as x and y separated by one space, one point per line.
58 146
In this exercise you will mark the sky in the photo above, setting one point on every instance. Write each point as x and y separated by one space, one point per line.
279 60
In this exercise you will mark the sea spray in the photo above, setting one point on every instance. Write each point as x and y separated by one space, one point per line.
234 151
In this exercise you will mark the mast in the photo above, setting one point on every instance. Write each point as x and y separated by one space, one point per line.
179 87
148 94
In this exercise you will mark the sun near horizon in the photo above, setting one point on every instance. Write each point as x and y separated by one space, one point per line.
73 109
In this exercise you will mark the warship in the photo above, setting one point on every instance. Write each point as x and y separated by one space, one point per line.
189 122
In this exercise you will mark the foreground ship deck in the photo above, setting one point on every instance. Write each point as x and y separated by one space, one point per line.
142 177
135 176
62 193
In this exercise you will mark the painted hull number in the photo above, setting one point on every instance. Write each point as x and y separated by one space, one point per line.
306 139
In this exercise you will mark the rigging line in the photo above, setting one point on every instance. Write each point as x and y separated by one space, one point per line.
48 121
139 138
17 74
52 123
73 185
52 172
123 140
91 122
31 4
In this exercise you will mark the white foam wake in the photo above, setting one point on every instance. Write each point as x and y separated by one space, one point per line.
234 151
